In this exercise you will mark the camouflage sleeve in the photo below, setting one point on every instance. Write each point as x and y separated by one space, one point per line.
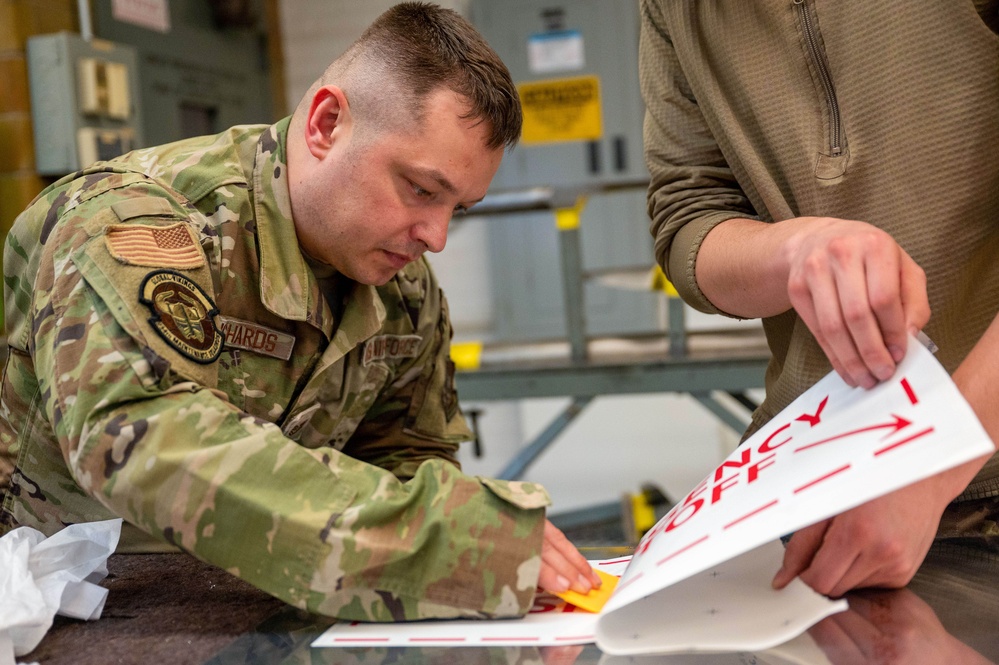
316 528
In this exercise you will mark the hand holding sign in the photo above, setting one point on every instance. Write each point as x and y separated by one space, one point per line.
878 544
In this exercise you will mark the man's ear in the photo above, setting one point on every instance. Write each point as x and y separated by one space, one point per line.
328 116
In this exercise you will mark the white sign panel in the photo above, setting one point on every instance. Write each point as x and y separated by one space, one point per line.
700 578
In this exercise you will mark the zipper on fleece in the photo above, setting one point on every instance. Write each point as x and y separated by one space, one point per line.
822 67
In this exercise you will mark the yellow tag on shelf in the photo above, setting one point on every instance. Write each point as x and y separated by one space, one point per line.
595 600
661 283
567 219
466 355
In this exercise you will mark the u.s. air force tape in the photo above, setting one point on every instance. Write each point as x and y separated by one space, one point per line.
182 315
391 347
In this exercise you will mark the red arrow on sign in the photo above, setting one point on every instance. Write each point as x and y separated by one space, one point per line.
895 426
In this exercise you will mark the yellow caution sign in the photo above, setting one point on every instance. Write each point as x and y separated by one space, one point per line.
561 110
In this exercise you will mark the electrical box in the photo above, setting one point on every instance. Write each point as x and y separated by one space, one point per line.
83 103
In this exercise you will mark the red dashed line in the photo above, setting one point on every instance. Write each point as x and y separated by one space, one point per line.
630 582
821 478
438 639
750 514
510 639
681 550
915 436
909 392
614 561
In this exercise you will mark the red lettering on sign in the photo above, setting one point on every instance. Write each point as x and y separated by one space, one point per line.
895 425
814 420
720 471
720 487
754 470
766 446
917 435
681 550
821 478
688 508
751 513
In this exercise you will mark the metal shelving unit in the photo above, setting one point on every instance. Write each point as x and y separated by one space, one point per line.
703 374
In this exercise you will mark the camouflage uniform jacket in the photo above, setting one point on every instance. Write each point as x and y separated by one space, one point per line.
173 361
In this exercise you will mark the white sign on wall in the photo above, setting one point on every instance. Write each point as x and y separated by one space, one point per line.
560 51
151 14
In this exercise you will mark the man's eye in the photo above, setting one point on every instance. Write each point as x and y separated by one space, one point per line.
420 192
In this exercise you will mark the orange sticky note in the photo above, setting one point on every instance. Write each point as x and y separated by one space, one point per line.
596 598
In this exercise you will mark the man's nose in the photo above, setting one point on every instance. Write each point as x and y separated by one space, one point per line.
431 230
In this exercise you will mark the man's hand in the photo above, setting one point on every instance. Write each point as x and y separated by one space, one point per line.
883 542
878 544
562 566
855 288
858 292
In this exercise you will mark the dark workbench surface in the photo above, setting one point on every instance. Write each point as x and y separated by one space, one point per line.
171 608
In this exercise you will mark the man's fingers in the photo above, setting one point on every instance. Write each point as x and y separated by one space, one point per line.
885 287
817 303
860 295
550 580
799 553
834 567
915 302
562 566
829 293
854 331
871 307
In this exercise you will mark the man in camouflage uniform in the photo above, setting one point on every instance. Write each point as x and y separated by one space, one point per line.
233 343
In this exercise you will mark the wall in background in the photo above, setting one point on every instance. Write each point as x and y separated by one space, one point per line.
19 20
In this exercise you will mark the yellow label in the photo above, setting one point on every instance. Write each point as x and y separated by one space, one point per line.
466 355
595 600
567 219
661 283
561 110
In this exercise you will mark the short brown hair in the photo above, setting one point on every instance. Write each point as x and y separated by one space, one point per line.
425 47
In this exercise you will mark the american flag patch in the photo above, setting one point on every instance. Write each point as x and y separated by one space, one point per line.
171 246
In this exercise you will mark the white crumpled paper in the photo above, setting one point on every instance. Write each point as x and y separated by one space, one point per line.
41 577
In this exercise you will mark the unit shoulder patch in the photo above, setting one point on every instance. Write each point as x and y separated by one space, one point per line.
172 246
182 315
